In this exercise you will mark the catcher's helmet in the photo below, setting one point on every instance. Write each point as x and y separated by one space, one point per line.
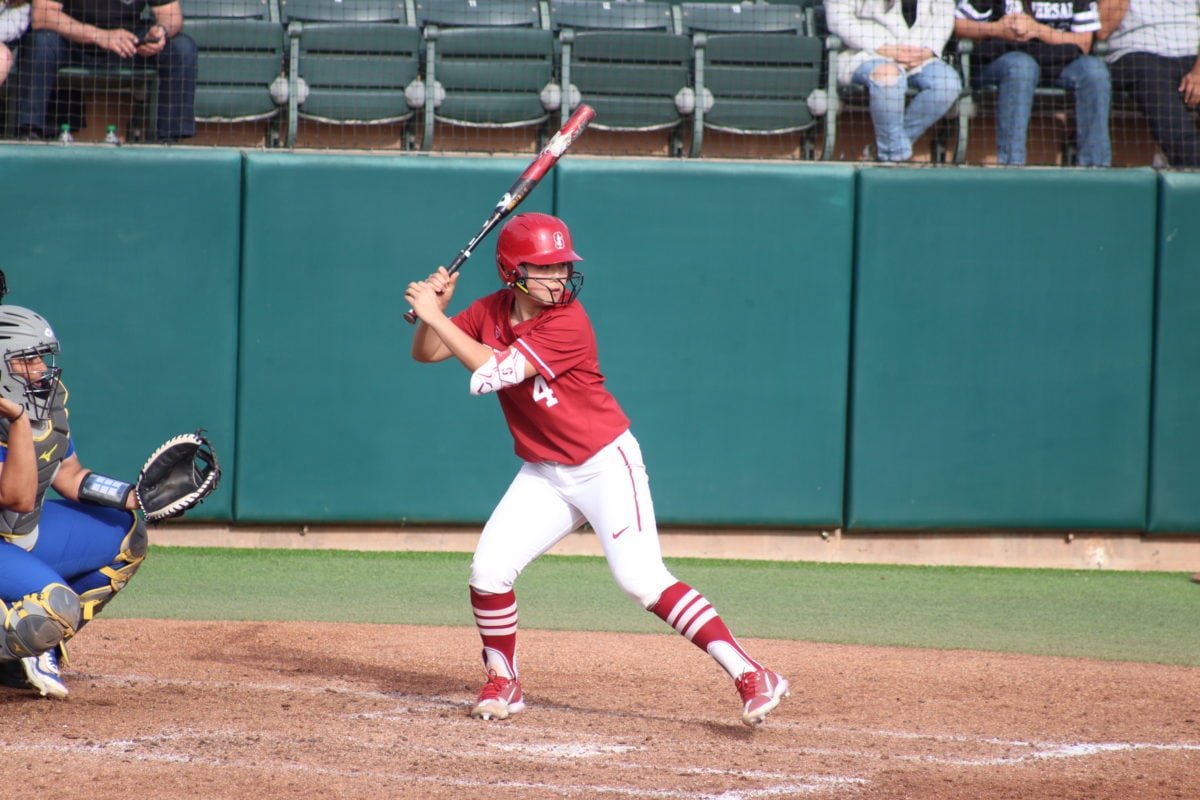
537 239
25 334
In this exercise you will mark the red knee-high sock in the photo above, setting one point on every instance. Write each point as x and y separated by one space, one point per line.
693 617
496 621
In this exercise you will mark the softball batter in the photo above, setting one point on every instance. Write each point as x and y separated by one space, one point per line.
532 344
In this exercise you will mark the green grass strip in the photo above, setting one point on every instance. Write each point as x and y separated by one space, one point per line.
1132 616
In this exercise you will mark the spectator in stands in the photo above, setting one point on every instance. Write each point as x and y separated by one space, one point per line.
108 33
14 21
1021 44
1154 55
890 46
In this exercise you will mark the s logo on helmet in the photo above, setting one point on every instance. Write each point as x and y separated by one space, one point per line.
559 241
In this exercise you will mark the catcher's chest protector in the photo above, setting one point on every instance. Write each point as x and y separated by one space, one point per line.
50 442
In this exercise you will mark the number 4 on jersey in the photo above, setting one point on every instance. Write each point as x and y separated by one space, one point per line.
542 391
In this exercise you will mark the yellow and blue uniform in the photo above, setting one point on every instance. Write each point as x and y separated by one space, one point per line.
91 549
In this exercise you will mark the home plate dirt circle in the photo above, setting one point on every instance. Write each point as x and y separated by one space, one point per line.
278 711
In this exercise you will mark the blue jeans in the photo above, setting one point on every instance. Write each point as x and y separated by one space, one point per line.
1017 74
44 51
896 126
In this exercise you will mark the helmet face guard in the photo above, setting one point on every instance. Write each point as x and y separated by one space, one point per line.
29 375
538 240
36 378
570 286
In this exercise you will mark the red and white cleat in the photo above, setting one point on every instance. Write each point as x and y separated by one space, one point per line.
761 691
499 698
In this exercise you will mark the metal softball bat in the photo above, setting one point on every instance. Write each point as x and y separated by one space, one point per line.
555 148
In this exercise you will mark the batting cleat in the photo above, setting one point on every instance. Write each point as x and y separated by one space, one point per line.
42 674
498 698
761 691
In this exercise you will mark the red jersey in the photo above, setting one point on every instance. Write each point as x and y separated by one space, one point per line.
563 414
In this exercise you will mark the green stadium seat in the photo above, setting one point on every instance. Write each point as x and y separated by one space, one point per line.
479 13
487 65
628 62
490 77
759 84
635 81
239 54
613 16
699 17
359 63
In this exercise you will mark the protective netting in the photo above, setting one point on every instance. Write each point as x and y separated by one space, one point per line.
1040 82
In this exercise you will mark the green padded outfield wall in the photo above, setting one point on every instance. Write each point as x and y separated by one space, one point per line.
1002 349
132 255
1175 466
989 388
338 422
721 299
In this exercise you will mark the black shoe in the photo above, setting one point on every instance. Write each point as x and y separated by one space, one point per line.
12 674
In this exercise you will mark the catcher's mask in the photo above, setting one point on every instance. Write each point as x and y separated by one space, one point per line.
28 376
542 240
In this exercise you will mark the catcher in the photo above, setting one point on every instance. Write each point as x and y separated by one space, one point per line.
62 561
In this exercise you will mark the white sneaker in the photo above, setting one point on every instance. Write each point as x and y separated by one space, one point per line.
43 674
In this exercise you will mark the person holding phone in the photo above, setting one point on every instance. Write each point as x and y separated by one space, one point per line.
106 34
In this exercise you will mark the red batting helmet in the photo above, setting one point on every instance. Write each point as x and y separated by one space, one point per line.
532 239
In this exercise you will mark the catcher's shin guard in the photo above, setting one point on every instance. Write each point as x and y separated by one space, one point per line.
38 622
119 573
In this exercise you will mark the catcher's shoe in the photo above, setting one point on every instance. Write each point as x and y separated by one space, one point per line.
498 698
12 675
43 674
761 691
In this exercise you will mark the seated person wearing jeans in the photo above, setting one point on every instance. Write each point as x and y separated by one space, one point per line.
1154 55
1022 44
891 45
108 33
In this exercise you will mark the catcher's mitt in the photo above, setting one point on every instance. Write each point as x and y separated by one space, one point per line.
177 476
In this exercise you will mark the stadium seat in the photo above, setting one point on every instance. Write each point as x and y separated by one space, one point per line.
759 84
628 62
240 54
612 16
140 83
700 17
491 77
634 81
353 63
480 13
487 65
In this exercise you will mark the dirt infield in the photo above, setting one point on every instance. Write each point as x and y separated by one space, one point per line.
275 711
